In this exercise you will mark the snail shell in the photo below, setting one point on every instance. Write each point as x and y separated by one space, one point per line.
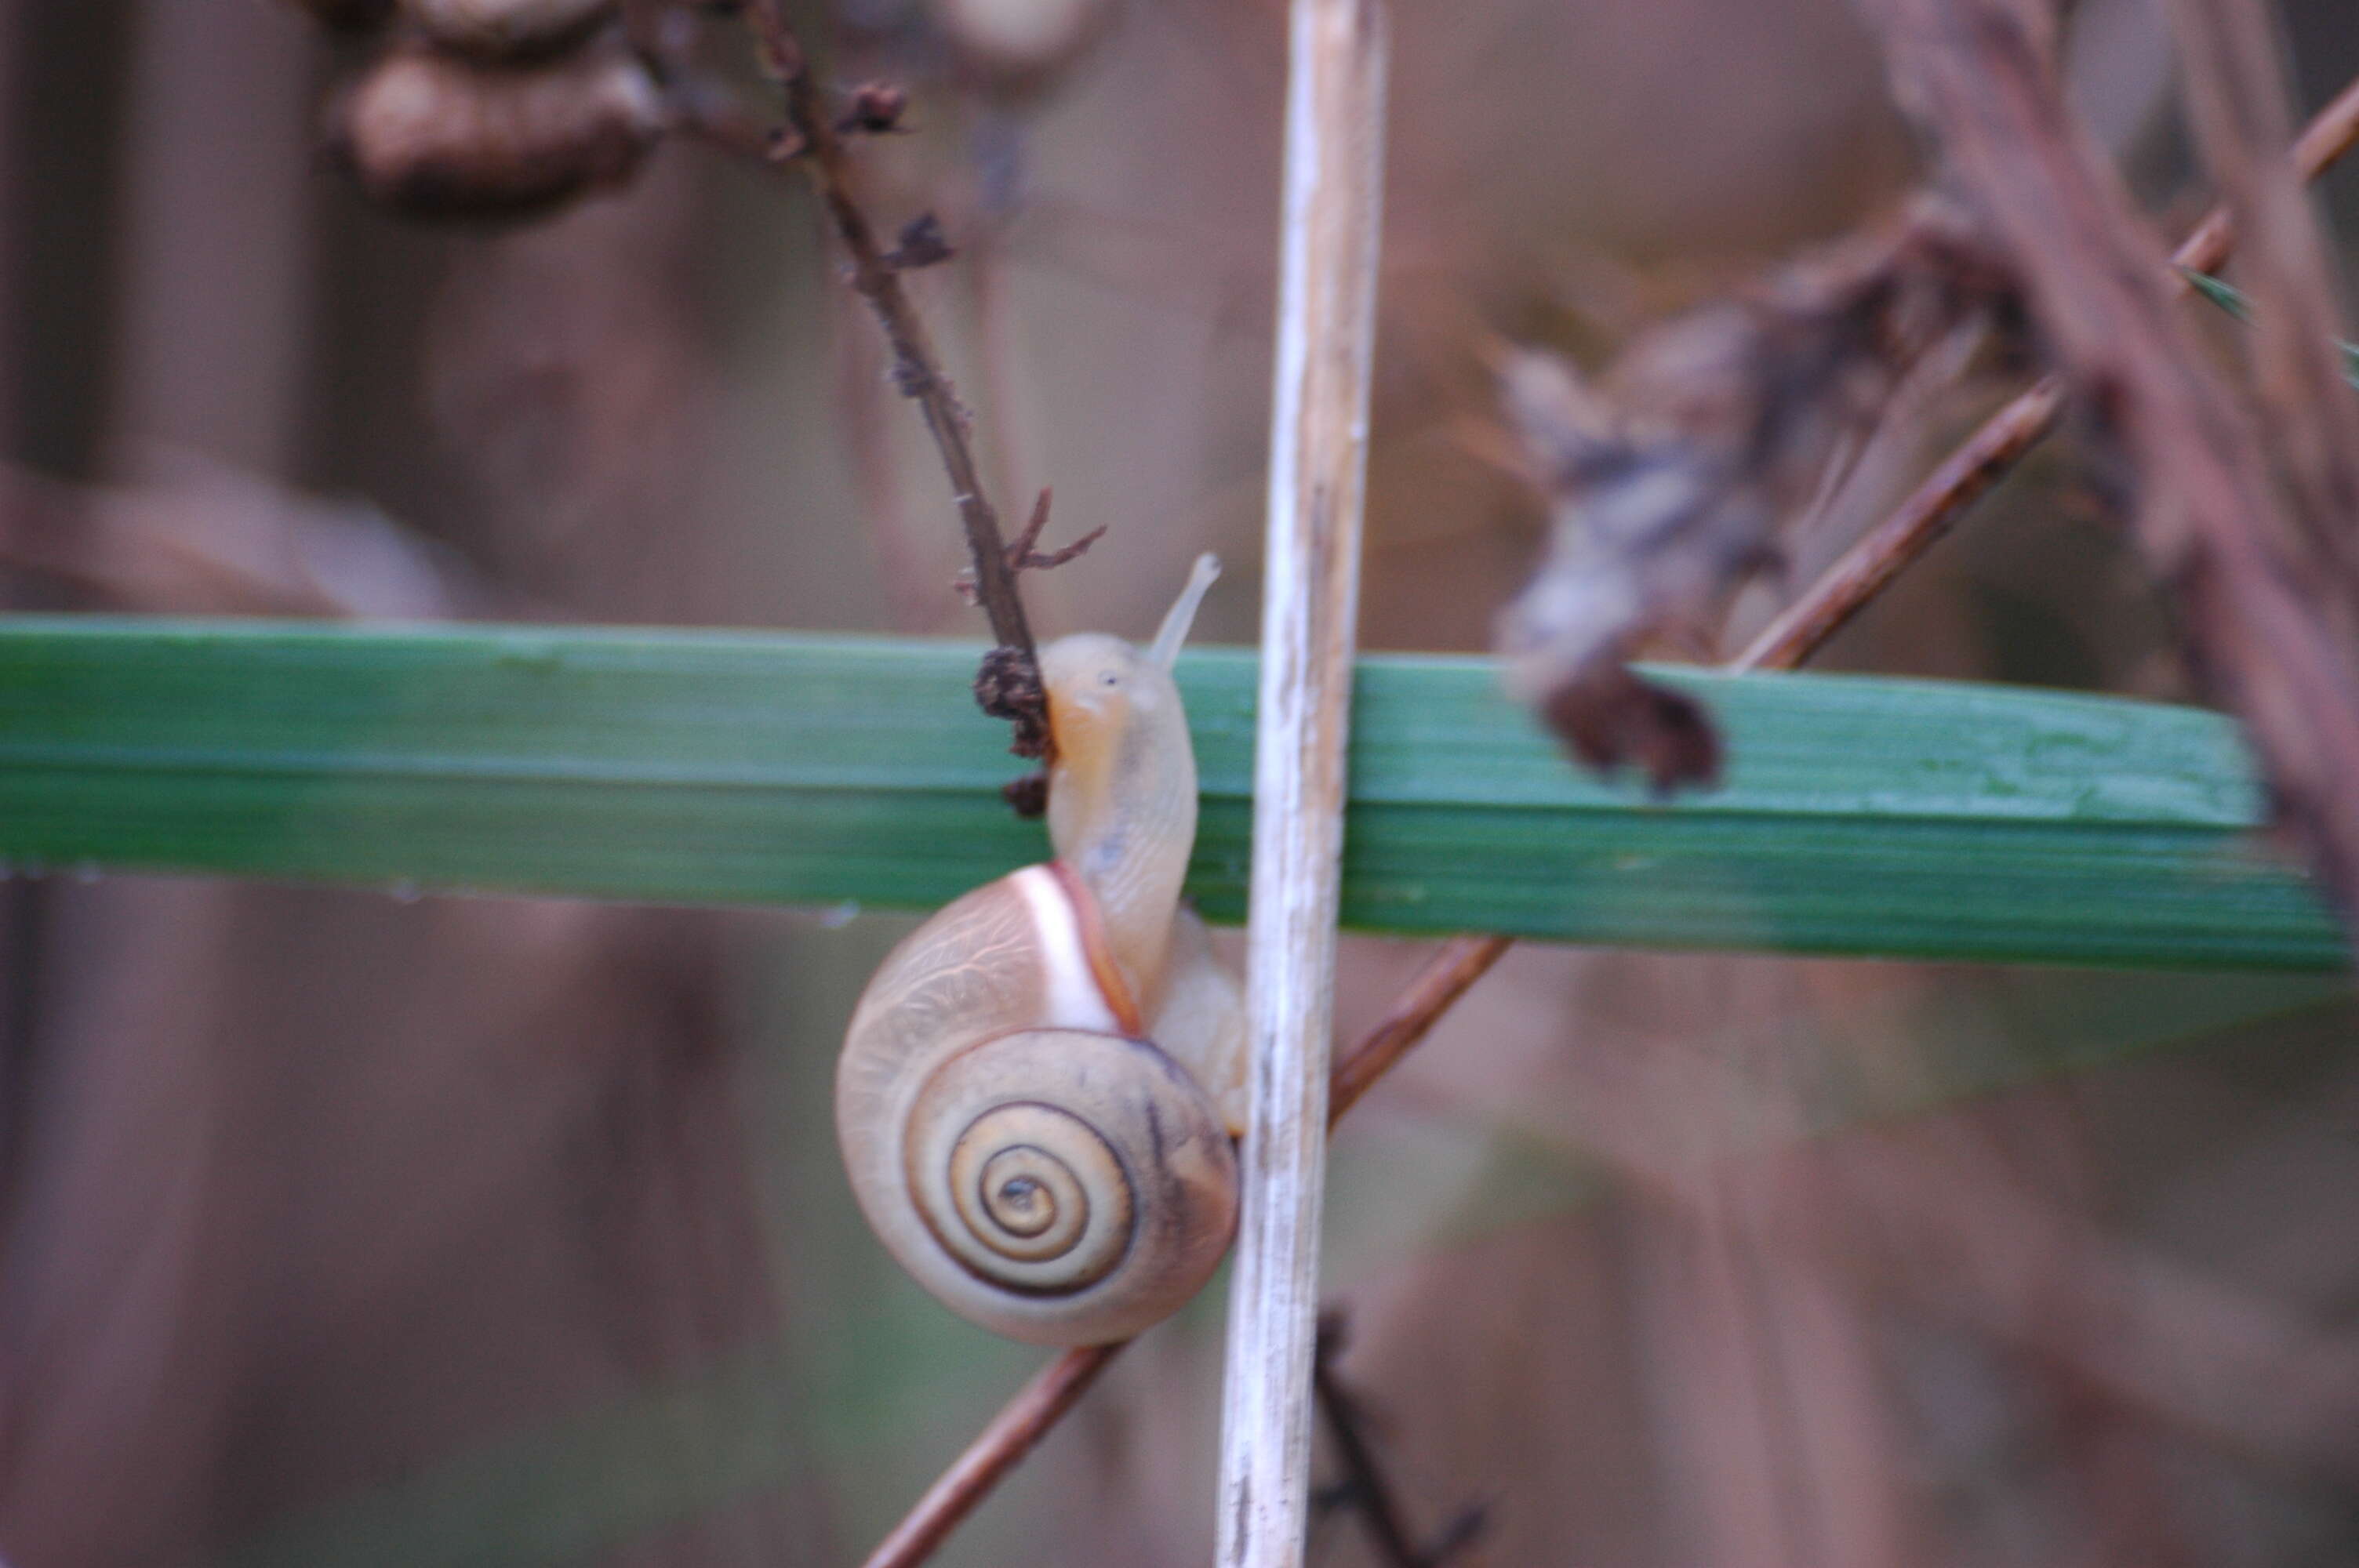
1015 1143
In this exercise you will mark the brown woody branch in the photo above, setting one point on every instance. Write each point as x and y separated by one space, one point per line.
1884 552
998 1448
1008 685
1446 977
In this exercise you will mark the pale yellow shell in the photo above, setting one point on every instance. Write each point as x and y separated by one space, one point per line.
1036 1170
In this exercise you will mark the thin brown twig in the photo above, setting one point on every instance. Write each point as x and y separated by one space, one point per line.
1023 557
1008 686
1929 512
997 1449
1865 570
2234 88
1445 977
1918 523
2330 135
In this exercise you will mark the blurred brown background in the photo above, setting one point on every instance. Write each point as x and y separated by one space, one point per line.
342 1227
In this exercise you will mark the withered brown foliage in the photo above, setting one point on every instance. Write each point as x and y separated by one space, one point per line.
434 134
2235 520
1667 478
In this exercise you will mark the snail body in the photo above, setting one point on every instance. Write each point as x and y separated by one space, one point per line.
1038 1088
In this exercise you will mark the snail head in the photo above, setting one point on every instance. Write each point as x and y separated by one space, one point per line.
1113 708
1122 774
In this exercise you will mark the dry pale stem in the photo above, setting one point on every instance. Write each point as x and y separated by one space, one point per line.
1329 238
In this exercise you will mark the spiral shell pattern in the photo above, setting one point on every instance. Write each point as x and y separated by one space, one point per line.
1081 1183
1024 1194
1020 1201
1036 1168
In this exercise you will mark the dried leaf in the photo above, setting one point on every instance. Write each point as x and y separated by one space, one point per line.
438 137
1668 480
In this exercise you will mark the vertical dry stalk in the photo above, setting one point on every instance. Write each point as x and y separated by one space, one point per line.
1318 462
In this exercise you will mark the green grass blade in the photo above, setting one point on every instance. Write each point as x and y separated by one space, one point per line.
2227 298
2234 302
1860 816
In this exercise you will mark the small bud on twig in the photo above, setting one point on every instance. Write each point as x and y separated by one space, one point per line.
921 243
876 108
1022 558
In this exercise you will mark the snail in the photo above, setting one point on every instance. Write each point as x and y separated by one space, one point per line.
1039 1085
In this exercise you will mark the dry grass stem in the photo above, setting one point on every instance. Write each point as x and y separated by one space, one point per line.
1330 234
